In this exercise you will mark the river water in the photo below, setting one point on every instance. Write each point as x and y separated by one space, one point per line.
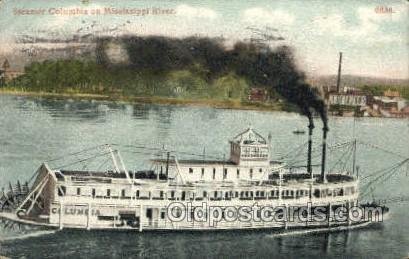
34 130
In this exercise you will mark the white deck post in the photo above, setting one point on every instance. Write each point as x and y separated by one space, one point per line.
329 214
89 217
61 212
113 159
279 186
140 217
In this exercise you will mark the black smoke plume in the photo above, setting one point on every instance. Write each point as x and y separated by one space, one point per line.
260 65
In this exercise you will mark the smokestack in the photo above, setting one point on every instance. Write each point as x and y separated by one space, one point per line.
324 151
310 128
339 72
167 165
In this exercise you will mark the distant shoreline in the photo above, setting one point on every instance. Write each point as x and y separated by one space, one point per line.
221 104
218 104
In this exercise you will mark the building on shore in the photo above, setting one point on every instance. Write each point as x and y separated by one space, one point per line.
349 101
7 74
389 106
257 94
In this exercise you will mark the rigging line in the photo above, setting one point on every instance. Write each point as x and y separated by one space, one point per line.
32 177
298 153
380 148
75 153
387 175
339 160
194 154
89 163
397 171
367 189
138 147
340 145
350 153
163 151
183 153
85 159
294 149
291 163
292 160
387 172
384 169
103 164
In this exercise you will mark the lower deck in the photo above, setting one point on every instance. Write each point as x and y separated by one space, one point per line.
145 218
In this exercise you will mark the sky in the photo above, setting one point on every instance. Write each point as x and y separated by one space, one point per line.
373 35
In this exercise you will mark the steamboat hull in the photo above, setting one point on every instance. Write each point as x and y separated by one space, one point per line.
99 201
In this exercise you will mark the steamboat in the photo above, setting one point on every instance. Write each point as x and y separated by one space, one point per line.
122 199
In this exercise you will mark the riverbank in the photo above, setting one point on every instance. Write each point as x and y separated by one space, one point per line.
222 104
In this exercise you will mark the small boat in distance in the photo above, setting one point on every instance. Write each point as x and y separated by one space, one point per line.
298 131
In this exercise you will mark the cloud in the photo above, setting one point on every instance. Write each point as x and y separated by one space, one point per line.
273 17
190 12
367 28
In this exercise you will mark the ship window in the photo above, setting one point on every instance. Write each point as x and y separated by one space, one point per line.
214 173
202 173
162 215
137 193
225 173
61 191
191 170
172 194
93 192
78 191
237 194
238 173
251 173
123 193
108 192
149 213
161 194
183 195
204 194
260 170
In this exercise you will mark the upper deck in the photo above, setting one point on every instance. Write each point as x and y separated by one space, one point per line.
151 178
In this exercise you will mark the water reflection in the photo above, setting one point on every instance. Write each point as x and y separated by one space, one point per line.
140 111
237 244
